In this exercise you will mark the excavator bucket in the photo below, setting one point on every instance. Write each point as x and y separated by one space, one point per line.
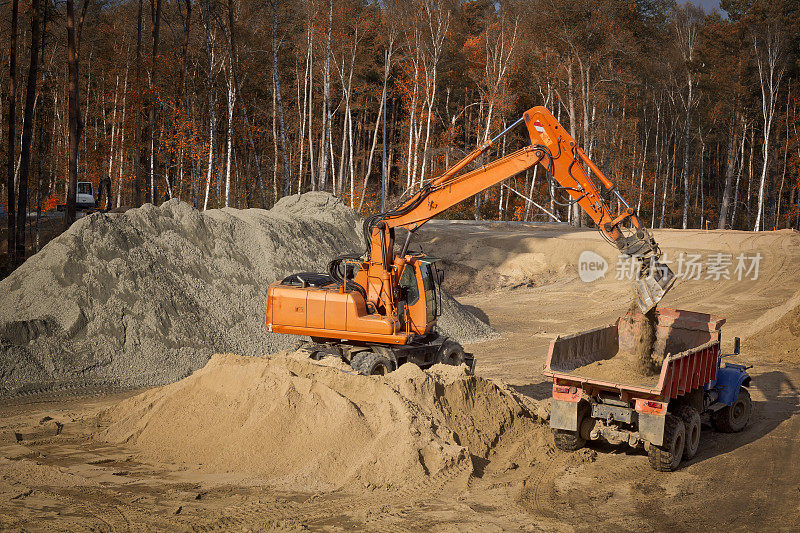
652 285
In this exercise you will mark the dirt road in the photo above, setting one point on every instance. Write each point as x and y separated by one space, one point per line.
524 280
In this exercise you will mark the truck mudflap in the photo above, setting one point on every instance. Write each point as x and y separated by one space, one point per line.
651 418
651 428
564 407
564 415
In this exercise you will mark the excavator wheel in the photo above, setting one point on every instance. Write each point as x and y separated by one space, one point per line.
312 353
451 353
370 364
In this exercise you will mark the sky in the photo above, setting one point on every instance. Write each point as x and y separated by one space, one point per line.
707 5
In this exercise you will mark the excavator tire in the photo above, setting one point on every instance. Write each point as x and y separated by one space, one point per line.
568 441
667 457
370 364
691 420
311 352
451 353
734 418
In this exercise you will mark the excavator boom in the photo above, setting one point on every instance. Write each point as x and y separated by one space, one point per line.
564 162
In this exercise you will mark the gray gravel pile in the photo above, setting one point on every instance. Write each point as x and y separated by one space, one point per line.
145 297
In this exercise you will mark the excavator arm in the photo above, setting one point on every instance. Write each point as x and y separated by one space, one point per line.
563 160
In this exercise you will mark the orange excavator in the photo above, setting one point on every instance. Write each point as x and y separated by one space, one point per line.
378 310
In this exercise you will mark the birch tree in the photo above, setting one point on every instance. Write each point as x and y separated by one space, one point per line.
687 20
768 50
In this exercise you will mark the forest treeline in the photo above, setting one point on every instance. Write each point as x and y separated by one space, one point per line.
238 103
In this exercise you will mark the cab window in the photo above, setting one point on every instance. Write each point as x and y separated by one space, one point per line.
84 188
408 282
428 285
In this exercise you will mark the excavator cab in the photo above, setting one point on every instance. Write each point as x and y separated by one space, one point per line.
420 294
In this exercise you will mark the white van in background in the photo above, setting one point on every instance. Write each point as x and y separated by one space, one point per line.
84 199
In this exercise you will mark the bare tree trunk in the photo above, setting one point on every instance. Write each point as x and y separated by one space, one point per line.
738 178
441 24
771 67
231 104
641 174
274 149
75 123
310 108
137 145
667 175
686 135
386 69
750 172
155 17
212 119
659 154
303 109
12 124
121 147
113 136
326 104
40 121
730 169
785 159
27 133
287 175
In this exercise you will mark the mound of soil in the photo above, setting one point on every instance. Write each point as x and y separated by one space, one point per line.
145 297
780 340
297 423
625 367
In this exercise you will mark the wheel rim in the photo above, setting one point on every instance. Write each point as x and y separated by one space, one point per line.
453 359
694 435
379 370
677 452
738 411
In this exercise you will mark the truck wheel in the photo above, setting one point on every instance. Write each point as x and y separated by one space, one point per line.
568 441
451 353
691 420
370 364
733 418
667 457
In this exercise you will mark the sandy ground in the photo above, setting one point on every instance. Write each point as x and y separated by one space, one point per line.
52 476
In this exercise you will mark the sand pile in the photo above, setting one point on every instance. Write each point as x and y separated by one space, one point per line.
779 340
293 422
624 367
145 297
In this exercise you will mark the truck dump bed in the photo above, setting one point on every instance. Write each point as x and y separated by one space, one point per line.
688 342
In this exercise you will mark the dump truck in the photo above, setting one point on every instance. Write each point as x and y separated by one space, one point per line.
662 413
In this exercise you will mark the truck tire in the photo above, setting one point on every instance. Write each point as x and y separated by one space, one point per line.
370 364
568 441
667 457
691 420
451 353
733 418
